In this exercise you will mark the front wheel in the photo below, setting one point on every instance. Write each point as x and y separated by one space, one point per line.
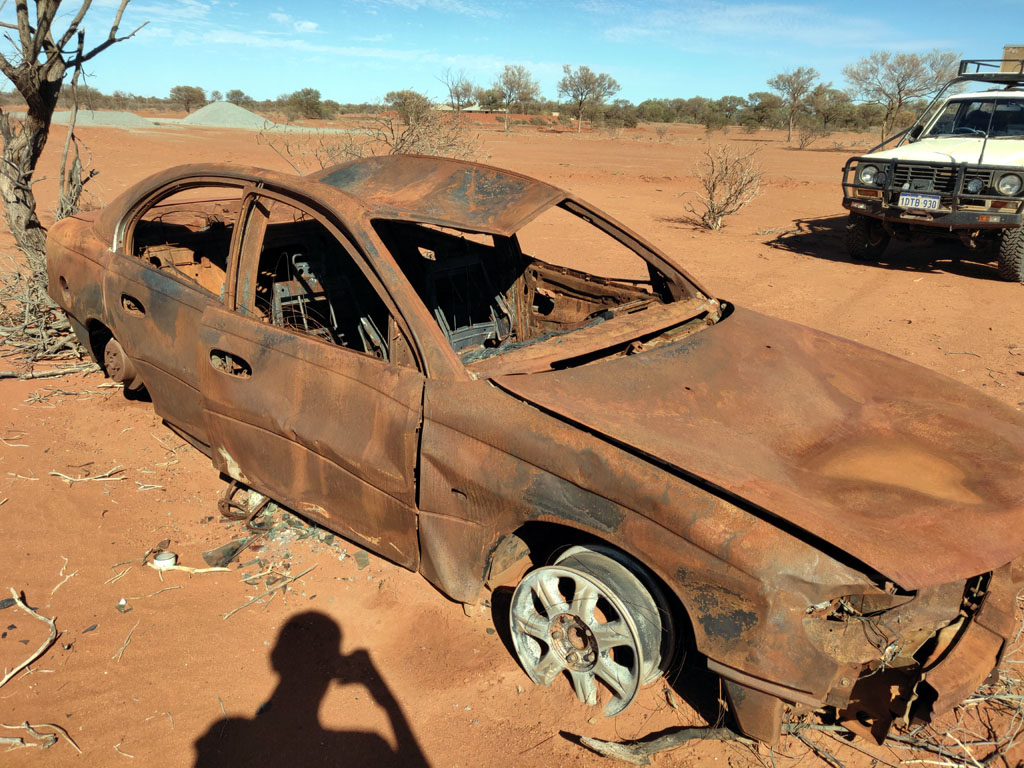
866 239
590 616
1011 254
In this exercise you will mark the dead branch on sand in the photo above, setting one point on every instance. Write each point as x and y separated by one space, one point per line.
51 623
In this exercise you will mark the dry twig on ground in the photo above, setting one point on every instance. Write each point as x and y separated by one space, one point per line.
51 623
43 740
273 589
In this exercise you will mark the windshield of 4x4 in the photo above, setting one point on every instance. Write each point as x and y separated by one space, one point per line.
994 118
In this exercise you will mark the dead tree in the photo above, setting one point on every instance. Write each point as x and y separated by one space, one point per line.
37 66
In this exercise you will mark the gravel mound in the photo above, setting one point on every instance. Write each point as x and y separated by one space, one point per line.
107 119
223 114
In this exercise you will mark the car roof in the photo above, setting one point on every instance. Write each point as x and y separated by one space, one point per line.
434 190
993 94
442 191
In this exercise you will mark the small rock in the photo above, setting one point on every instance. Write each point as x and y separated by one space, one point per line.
490 630
362 559
123 606
90 628
7 602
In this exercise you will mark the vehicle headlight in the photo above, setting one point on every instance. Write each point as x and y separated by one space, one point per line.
974 186
1010 184
866 174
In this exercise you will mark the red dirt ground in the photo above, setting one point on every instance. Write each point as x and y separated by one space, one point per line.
416 680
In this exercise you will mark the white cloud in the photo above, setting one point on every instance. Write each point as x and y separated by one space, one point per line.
458 7
302 27
171 10
702 24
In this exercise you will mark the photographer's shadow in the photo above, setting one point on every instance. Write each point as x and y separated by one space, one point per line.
286 729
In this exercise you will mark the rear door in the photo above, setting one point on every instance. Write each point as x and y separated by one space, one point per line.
309 390
171 265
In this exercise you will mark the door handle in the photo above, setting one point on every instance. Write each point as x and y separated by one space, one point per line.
233 365
132 306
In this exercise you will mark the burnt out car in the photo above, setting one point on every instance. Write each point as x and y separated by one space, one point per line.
487 380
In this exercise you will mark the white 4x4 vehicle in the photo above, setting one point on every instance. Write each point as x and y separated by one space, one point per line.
957 172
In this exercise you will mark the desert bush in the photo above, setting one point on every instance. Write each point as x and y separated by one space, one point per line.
419 132
538 120
661 131
730 179
810 134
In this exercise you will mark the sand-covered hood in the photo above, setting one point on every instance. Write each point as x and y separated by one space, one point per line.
913 474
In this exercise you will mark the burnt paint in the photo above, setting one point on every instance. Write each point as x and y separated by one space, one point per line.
550 496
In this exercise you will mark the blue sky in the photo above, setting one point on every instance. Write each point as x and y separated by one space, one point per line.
357 50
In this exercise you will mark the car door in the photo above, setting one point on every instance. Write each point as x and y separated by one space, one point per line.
309 391
171 264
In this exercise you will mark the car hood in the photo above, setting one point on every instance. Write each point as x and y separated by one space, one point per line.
958 150
911 473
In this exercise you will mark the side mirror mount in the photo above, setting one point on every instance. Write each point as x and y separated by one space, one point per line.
916 131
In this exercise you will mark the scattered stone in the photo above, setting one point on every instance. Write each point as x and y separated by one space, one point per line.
7 602
362 559
90 628
123 606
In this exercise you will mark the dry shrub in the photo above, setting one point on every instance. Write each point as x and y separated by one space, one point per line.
386 133
730 179
809 135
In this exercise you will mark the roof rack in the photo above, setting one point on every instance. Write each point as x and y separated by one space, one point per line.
1006 71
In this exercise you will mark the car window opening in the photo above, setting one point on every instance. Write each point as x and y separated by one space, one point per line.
188 234
308 282
489 297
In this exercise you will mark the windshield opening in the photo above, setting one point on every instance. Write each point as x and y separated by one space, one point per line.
991 117
491 294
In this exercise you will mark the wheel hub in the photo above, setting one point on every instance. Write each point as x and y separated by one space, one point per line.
573 641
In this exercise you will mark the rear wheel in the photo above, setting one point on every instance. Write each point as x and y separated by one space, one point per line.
591 616
1011 254
866 239
120 367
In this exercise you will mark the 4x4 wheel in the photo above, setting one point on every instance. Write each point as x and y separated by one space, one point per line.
1011 254
866 239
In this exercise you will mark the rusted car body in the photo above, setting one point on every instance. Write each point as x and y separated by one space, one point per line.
371 346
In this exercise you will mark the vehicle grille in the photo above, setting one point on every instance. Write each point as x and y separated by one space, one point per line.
941 177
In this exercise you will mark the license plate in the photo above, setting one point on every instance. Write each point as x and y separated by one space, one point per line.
921 202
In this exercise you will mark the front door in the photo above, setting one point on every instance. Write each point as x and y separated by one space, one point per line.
302 389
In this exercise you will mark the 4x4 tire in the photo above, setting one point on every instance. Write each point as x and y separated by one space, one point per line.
866 240
1011 254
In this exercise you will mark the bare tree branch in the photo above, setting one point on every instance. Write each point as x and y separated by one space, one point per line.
73 26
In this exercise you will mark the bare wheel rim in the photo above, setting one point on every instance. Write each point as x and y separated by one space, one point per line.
578 617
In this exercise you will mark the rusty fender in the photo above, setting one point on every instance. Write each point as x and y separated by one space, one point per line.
73 257
744 583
